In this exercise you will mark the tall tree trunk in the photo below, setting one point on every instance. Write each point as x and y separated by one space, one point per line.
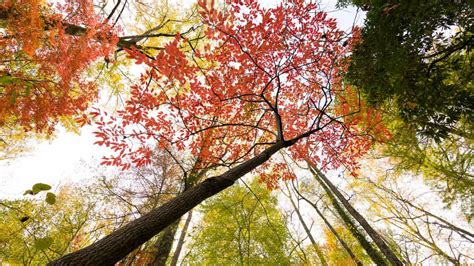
165 244
350 225
331 228
179 246
118 244
379 241
306 229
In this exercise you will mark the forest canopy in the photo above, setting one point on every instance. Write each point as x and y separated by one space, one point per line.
241 132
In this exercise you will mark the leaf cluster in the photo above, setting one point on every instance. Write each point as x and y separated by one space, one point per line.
417 54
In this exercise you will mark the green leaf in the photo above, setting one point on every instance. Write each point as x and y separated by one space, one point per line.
28 192
50 198
43 243
28 89
7 79
40 187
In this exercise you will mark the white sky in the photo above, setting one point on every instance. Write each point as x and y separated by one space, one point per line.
62 159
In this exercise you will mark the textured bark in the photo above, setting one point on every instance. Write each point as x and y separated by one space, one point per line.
306 229
179 246
118 244
164 245
378 240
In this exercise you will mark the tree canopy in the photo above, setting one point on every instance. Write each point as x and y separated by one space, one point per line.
189 103
417 55
241 226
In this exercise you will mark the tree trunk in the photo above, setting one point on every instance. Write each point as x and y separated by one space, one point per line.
333 231
177 251
164 245
306 229
379 241
350 225
118 244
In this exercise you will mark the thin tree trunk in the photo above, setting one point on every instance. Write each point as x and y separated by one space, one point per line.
165 244
179 246
379 241
118 244
306 229
350 225
331 228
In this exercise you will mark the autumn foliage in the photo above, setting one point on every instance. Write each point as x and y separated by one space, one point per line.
260 77
44 48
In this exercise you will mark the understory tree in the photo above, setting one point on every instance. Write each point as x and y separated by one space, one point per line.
241 226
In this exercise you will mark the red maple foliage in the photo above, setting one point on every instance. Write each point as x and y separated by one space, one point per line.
43 52
262 76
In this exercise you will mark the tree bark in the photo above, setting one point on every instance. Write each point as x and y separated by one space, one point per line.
118 244
350 225
379 241
164 245
179 246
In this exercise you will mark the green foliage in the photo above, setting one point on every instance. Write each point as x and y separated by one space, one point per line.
7 79
416 54
34 232
414 61
240 228
40 187
43 243
445 165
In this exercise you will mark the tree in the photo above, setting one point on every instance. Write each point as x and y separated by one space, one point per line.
330 228
376 237
182 236
241 226
417 56
43 57
135 192
336 253
50 71
307 230
266 80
